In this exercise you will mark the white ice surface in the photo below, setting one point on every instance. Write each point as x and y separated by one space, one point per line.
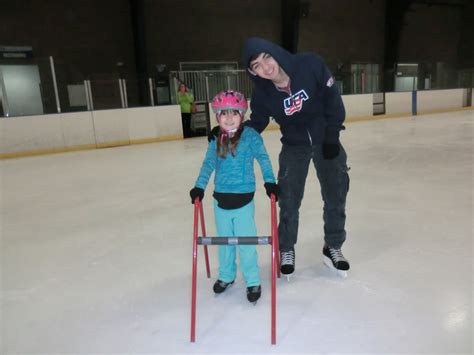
96 251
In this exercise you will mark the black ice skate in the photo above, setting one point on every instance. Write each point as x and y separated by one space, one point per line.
253 293
287 263
221 286
334 259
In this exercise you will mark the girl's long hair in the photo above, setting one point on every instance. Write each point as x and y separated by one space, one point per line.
226 144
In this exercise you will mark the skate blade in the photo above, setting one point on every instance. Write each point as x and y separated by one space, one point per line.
342 273
288 276
328 263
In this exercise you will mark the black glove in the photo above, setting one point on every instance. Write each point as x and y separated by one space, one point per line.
272 188
330 150
196 192
213 134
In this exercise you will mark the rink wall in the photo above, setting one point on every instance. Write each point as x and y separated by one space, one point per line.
33 135
358 105
434 101
398 103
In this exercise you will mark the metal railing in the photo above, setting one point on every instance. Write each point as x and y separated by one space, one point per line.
205 84
52 86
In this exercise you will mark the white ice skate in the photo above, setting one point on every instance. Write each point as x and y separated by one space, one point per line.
334 259
287 263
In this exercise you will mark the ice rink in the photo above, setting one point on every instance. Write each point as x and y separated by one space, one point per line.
96 251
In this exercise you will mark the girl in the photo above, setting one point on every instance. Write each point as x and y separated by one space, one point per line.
232 156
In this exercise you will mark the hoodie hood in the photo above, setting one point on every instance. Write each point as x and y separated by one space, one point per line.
254 46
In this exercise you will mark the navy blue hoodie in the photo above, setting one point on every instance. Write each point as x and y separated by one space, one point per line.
312 114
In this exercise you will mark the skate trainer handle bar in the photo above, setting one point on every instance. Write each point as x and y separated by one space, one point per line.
234 240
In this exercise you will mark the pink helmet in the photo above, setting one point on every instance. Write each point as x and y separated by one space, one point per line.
229 100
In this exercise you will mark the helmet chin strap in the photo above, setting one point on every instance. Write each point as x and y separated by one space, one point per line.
227 133
231 131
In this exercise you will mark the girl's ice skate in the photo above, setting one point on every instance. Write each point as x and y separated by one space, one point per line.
253 294
334 259
221 286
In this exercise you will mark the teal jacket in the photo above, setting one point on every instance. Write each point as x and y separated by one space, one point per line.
236 174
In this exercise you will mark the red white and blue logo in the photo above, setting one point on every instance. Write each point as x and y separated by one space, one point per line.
294 103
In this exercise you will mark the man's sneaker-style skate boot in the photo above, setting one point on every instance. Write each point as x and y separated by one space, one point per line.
253 293
334 259
287 263
221 286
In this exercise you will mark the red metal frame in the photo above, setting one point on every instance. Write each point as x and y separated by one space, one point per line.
203 231
275 256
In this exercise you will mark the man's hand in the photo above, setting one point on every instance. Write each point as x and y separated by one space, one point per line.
330 151
213 134
272 188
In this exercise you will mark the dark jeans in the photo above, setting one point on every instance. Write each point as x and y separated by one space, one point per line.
186 121
334 181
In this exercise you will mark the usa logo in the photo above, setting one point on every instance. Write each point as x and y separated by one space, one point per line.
294 103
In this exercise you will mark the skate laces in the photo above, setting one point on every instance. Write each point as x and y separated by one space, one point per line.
336 255
287 257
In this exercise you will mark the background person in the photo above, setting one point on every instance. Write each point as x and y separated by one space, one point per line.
185 99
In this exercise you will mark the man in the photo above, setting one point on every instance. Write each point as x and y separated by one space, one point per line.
298 92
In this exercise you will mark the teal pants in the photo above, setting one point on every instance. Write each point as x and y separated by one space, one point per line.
238 222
